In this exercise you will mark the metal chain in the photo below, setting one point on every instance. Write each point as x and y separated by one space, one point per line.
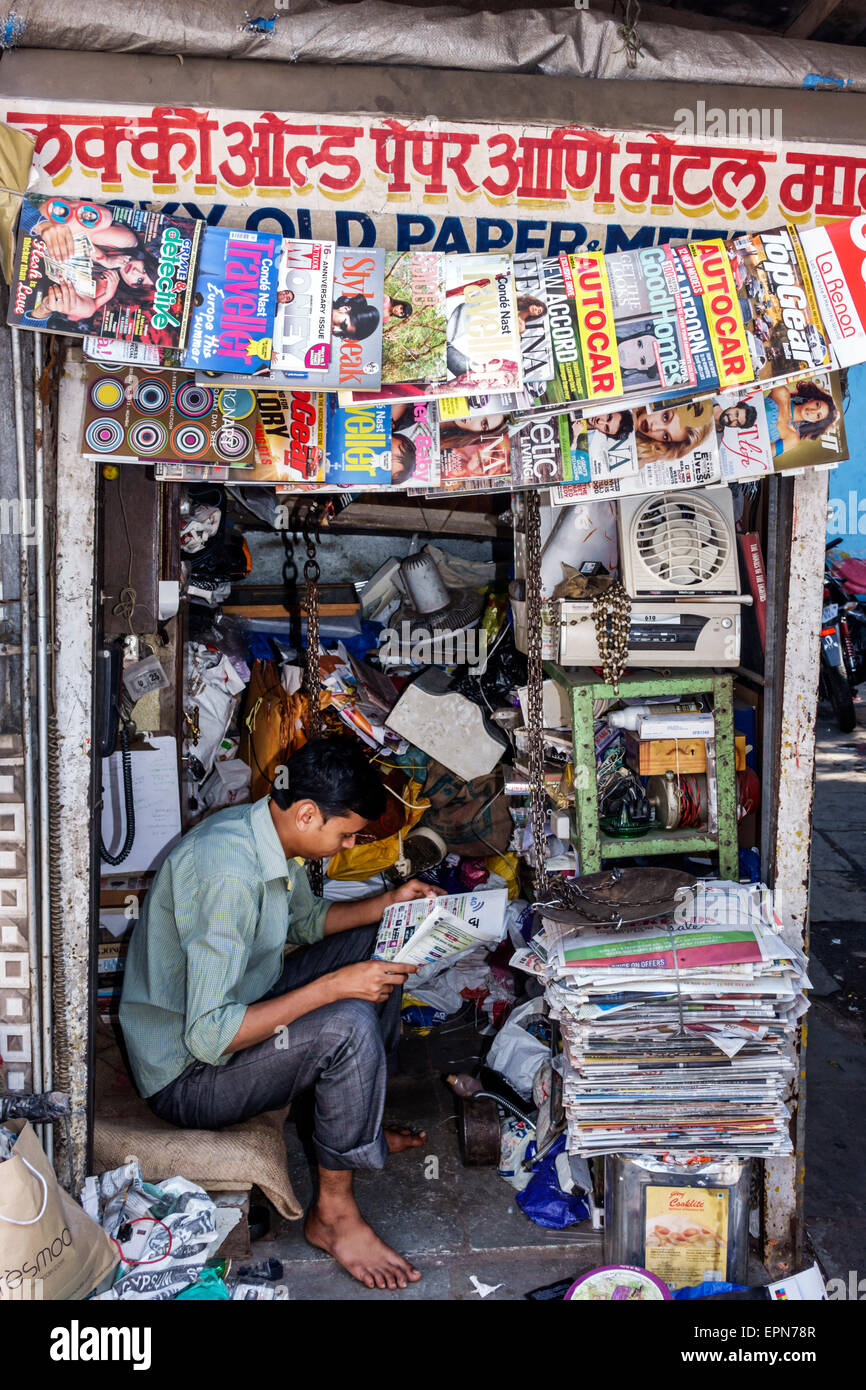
611 614
534 690
312 573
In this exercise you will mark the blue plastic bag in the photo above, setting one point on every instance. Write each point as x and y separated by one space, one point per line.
544 1201
707 1290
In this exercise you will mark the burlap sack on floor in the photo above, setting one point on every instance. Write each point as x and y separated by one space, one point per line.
217 1159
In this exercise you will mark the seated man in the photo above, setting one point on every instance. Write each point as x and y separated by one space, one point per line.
217 1025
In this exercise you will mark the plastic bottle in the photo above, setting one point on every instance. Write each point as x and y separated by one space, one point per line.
630 717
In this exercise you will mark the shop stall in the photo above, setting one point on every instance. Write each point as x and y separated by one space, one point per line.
497 442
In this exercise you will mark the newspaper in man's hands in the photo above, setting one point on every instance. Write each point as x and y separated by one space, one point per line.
427 930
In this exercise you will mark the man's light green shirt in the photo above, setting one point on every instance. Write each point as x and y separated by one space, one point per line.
210 942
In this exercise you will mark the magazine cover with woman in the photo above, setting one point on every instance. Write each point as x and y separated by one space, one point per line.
741 431
661 332
381 445
88 268
676 447
475 454
805 422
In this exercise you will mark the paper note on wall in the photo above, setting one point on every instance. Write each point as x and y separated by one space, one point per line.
156 798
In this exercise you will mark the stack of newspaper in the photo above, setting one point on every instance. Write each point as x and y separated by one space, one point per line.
677 1034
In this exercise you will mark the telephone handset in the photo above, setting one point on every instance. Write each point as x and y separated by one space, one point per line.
113 726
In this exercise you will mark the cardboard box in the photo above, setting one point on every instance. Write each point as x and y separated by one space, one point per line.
675 755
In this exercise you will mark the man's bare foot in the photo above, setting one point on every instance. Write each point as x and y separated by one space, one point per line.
400 1137
341 1231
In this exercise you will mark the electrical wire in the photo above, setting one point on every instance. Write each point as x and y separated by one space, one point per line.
128 803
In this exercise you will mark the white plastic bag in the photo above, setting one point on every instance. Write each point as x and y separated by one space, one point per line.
516 1054
213 686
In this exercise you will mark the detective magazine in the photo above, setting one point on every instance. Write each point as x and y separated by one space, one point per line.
87 268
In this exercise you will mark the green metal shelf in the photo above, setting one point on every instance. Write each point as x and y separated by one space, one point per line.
592 844
668 842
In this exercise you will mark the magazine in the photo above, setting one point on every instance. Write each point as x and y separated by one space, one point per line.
482 335
475 449
784 331
741 431
588 284
567 384
835 255
653 323
415 436
235 297
805 422
382 445
702 370
141 416
356 324
169 471
611 445
100 269
114 350
709 270
359 446
549 450
463 407
465 487
536 347
292 435
413 334
263 473
304 314
696 467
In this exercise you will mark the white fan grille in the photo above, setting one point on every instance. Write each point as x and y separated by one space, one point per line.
682 542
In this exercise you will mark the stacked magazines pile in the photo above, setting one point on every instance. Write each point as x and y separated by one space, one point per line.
677 1034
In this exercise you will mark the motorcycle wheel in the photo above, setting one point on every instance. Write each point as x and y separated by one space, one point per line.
841 698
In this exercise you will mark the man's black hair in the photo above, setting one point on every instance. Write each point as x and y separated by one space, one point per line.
334 773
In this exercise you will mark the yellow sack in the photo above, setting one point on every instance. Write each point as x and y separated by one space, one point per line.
362 861
272 726
16 155
506 866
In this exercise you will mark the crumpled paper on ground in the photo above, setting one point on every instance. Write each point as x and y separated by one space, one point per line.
165 1233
